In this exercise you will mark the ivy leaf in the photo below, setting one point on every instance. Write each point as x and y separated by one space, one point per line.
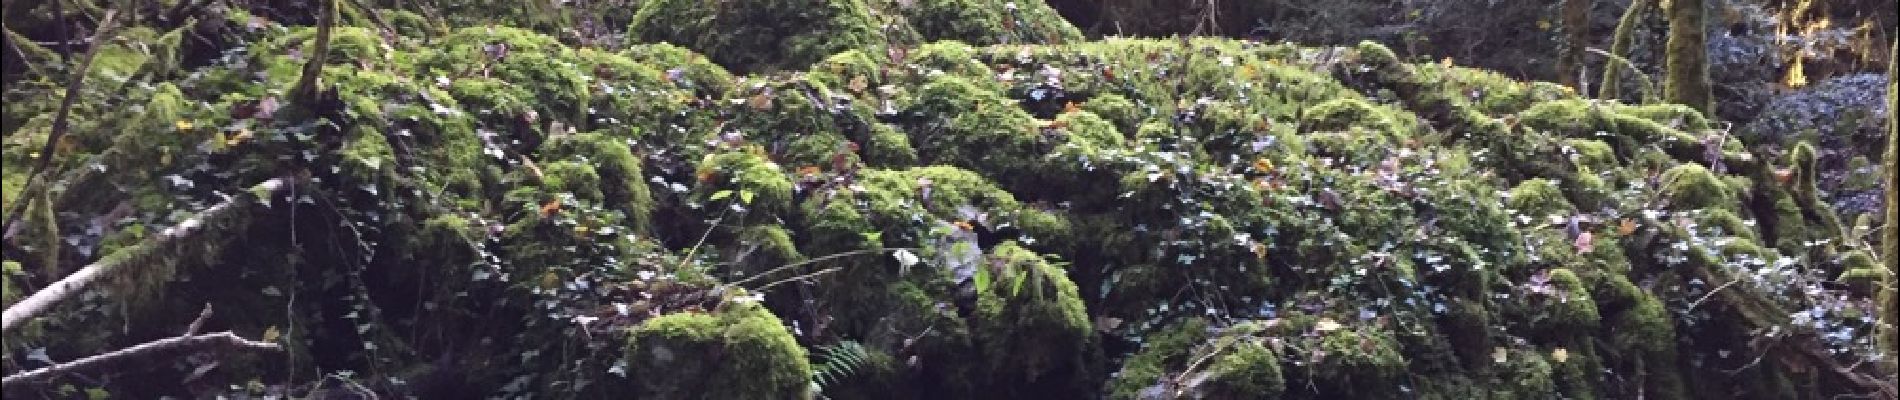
720 195
745 196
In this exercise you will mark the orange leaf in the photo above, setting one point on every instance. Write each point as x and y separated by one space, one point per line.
550 208
1626 228
1070 107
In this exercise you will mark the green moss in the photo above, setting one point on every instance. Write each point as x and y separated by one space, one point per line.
1162 352
740 352
1031 323
742 173
1344 114
1572 309
1591 156
986 22
1117 109
975 129
760 35
622 185
1523 374
695 72
1538 198
1691 187
349 45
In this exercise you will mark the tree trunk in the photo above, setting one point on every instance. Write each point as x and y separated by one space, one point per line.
1620 47
1576 38
1888 298
1686 66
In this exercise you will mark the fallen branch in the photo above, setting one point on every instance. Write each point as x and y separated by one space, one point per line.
117 262
162 348
189 342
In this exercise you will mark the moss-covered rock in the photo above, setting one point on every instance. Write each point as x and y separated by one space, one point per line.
738 352
760 35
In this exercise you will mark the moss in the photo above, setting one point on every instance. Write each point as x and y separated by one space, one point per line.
1539 198
349 46
975 129
1446 111
1361 362
1591 156
1343 114
1691 187
572 177
1523 374
1572 309
1117 109
694 71
987 22
1858 268
1162 352
742 173
1620 41
760 35
622 185
889 148
739 352
1031 323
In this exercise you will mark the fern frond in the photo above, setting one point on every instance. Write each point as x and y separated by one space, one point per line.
838 362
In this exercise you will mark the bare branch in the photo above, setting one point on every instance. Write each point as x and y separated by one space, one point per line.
157 349
200 322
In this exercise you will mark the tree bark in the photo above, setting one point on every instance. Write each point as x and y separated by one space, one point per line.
1686 63
1888 298
183 232
1576 24
1620 43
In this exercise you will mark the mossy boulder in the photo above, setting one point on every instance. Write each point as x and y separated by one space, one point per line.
739 352
760 35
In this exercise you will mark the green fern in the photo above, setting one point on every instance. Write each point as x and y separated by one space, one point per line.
836 363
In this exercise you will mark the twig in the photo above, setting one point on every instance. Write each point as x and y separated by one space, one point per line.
762 289
1711 293
162 348
813 261
199 323
62 119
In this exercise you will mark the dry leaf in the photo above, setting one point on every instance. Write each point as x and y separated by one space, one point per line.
550 208
858 84
761 101
271 334
1500 355
1560 355
1326 325
1585 242
1626 228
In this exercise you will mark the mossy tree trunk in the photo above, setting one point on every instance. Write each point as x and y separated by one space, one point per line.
1686 64
1620 46
1576 39
1892 238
